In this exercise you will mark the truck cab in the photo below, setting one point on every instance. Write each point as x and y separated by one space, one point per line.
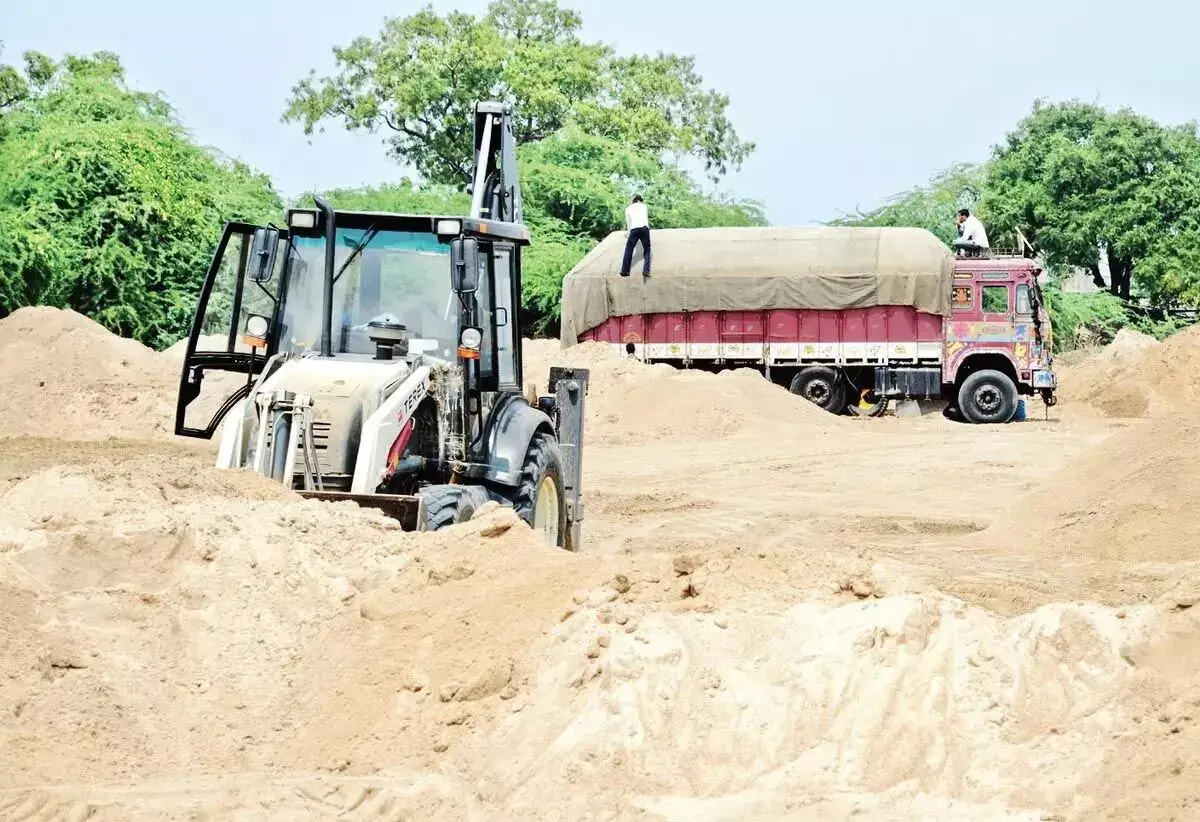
999 322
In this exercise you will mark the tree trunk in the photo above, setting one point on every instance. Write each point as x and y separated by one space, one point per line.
1120 275
1097 278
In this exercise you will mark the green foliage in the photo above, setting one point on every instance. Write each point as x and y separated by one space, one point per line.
420 77
932 206
554 252
1081 320
586 181
106 206
401 198
1081 181
576 187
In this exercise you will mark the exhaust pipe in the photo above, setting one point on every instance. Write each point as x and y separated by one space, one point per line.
327 297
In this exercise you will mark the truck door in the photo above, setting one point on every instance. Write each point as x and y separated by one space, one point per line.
231 330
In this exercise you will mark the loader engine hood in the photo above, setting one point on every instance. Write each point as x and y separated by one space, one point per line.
345 393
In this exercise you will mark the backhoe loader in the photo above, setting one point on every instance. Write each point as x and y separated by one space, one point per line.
376 358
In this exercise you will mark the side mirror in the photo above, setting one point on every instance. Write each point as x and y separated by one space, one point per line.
464 271
260 265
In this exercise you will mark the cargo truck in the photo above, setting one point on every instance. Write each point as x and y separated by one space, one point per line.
849 318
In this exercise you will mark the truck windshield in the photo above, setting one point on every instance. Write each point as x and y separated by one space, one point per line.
403 276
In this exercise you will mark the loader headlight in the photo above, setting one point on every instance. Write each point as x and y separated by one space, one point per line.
471 338
256 326
254 332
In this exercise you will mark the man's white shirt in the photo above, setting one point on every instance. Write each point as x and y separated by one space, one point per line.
636 216
973 232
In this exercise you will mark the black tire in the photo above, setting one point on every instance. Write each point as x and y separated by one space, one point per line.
820 386
875 409
987 397
447 505
543 462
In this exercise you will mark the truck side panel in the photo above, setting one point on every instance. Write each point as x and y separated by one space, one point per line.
863 336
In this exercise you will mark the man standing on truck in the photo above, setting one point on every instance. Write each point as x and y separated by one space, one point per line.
637 230
971 236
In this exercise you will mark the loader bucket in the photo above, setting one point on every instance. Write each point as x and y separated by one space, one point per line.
408 511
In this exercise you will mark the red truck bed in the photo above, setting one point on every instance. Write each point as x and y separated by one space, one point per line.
864 335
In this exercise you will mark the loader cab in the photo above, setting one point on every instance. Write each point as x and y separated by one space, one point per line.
328 283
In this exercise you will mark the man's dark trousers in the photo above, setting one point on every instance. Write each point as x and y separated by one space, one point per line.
636 235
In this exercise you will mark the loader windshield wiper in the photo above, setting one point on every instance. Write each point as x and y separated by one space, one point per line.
371 234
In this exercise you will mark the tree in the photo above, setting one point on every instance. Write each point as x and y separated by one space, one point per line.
576 187
932 206
1082 183
106 206
419 78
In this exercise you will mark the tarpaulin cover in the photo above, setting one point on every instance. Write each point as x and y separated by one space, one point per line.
756 269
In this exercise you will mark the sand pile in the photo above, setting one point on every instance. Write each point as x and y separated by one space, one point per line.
168 620
630 402
1135 376
182 642
63 375
224 645
1133 498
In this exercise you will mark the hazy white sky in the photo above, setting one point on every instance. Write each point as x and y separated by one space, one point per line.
848 102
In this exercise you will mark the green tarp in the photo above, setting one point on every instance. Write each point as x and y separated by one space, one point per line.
755 269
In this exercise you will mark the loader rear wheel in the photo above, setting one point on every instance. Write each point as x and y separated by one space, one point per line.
447 505
540 499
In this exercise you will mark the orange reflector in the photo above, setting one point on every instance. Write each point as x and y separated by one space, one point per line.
253 342
468 353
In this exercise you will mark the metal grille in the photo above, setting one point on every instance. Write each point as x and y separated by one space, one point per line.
320 435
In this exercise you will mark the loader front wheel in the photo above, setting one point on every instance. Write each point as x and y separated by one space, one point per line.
447 505
540 499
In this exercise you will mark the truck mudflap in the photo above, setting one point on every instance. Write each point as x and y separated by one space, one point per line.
409 511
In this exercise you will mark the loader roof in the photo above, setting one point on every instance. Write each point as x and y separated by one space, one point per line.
754 269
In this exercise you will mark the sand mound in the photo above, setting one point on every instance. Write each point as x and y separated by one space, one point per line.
1119 525
71 378
1136 376
63 375
181 642
177 650
144 605
1132 498
630 402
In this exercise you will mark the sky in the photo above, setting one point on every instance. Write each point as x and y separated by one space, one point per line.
848 103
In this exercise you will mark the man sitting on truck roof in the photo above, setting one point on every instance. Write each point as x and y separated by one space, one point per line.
971 236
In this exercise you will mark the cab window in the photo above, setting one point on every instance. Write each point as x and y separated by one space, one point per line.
1024 303
995 299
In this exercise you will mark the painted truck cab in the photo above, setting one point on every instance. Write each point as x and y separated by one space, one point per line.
998 320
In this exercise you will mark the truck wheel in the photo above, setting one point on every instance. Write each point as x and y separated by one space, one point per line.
540 499
447 505
820 386
987 397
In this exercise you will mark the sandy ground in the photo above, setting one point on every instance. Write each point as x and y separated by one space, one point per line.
778 614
